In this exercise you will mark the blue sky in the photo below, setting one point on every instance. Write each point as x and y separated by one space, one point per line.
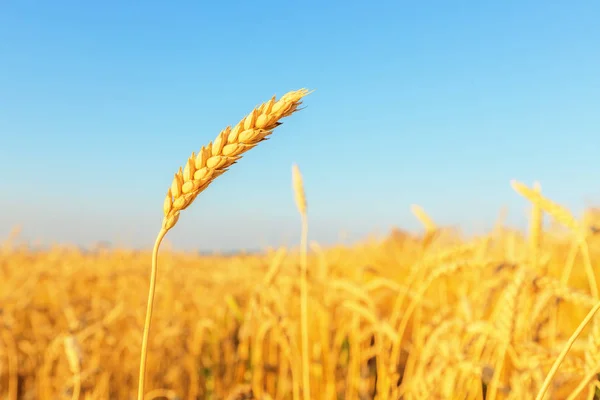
434 103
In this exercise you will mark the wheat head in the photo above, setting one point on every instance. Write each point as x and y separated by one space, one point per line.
423 218
299 195
215 159
558 212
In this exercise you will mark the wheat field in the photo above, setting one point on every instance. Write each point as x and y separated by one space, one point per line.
508 315
409 316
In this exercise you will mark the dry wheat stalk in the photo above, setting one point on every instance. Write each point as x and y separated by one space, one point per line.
202 169
565 350
300 198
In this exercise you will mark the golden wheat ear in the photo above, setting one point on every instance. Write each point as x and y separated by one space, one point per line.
202 169
300 197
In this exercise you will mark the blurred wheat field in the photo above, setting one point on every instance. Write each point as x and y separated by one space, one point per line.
428 316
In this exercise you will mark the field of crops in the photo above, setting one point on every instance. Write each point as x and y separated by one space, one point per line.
433 316
429 316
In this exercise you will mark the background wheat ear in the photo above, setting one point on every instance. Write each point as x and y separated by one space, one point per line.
202 169
300 198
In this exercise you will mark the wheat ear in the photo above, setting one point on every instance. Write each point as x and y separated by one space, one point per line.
202 169
536 227
300 198
423 218
563 216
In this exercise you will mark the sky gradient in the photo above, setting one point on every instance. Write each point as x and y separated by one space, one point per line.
438 104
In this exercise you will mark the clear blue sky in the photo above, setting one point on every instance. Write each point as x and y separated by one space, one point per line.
434 103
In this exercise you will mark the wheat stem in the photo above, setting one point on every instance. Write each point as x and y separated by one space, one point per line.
304 310
586 381
301 204
151 291
565 350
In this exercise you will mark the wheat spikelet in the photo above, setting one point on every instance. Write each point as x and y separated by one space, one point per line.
214 159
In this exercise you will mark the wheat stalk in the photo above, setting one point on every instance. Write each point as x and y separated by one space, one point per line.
565 350
202 169
300 198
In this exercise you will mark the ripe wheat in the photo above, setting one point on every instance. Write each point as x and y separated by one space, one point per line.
300 197
202 169
389 319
